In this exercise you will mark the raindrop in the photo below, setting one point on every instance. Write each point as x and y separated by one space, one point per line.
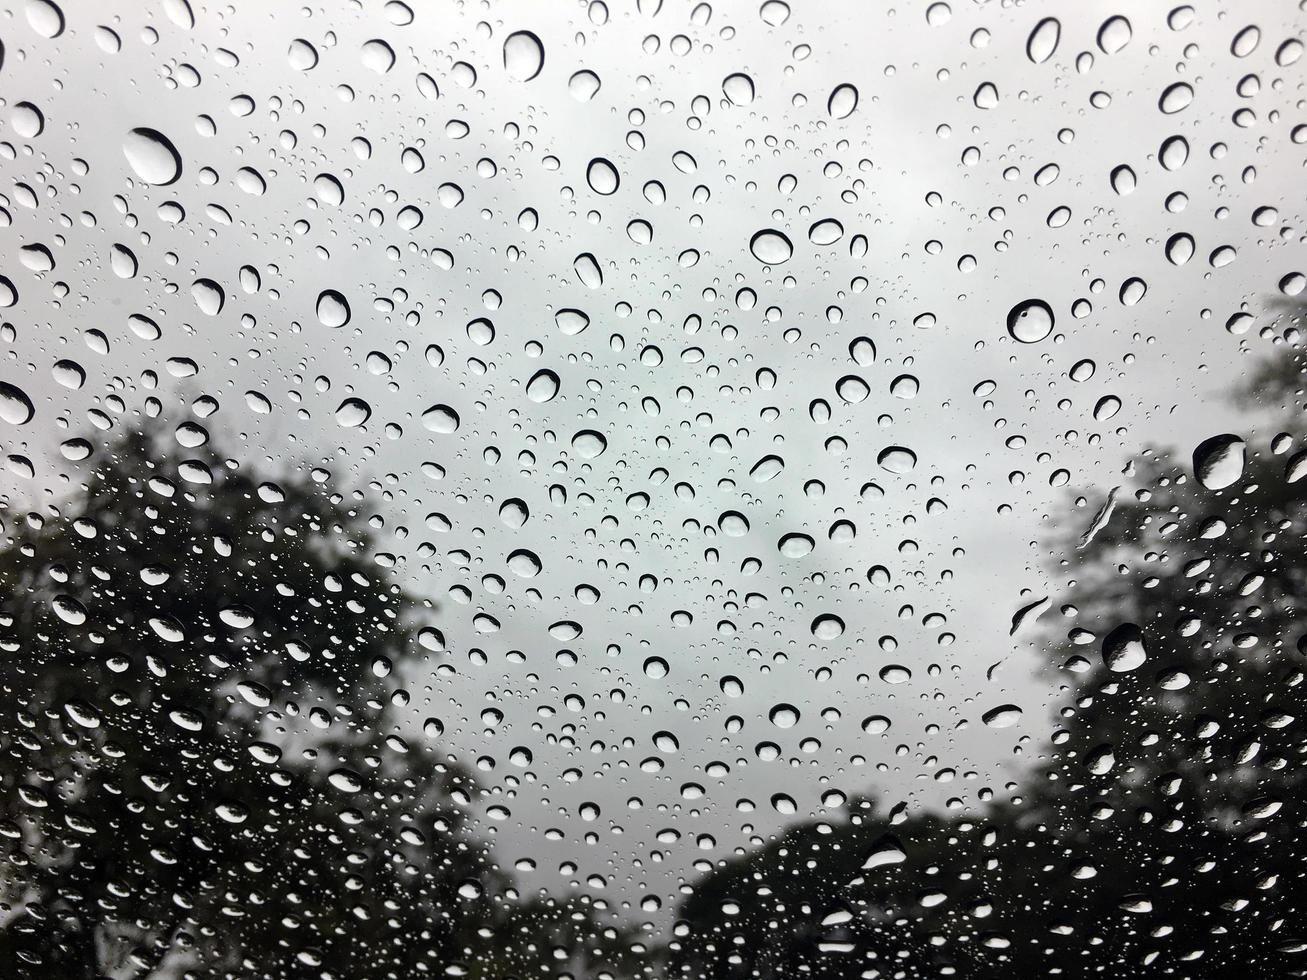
828 231
587 270
589 444
45 17
1176 98
15 407
208 296
827 627
332 309
771 247
774 13
542 387
68 373
571 322
602 177
353 412
897 459
783 715
378 56
524 55
767 468
738 88
440 419
1114 34
795 545
1004 716
842 102
1030 321
1123 648
904 386
1043 40
302 56
152 156
584 85
1219 461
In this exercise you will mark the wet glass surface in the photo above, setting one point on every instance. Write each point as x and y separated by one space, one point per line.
652 489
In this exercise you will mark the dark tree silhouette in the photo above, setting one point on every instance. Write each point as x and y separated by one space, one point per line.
201 775
1160 833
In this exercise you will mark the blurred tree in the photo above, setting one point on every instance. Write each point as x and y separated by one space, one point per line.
201 774
1160 833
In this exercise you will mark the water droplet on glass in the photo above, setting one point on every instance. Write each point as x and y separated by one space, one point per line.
602 176
152 156
771 247
1030 321
1004 716
1043 40
332 309
1219 461
524 55
842 102
1124 649
15 407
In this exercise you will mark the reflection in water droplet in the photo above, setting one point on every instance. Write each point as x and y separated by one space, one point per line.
842 102
543 386
738 88
441 419
1124 649
795 545
1043 40
602 177
208 296
524 55
827 627
771 247
584 85
1176 98
1004 716
1219 461
15 407
774 13
1114 34
784 715
152 156
353 412
897 459
301 55
1030 321
905 386
767 468
828 231
589 444
332 309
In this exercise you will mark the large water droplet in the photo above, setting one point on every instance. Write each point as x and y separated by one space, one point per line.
524 55
15 407
152 156
543 386
1043 40
441 419
1219 461
843 100
1123 649
332 309
897 459
602 176
589 444
353 412
771 247
1030 321
738 88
